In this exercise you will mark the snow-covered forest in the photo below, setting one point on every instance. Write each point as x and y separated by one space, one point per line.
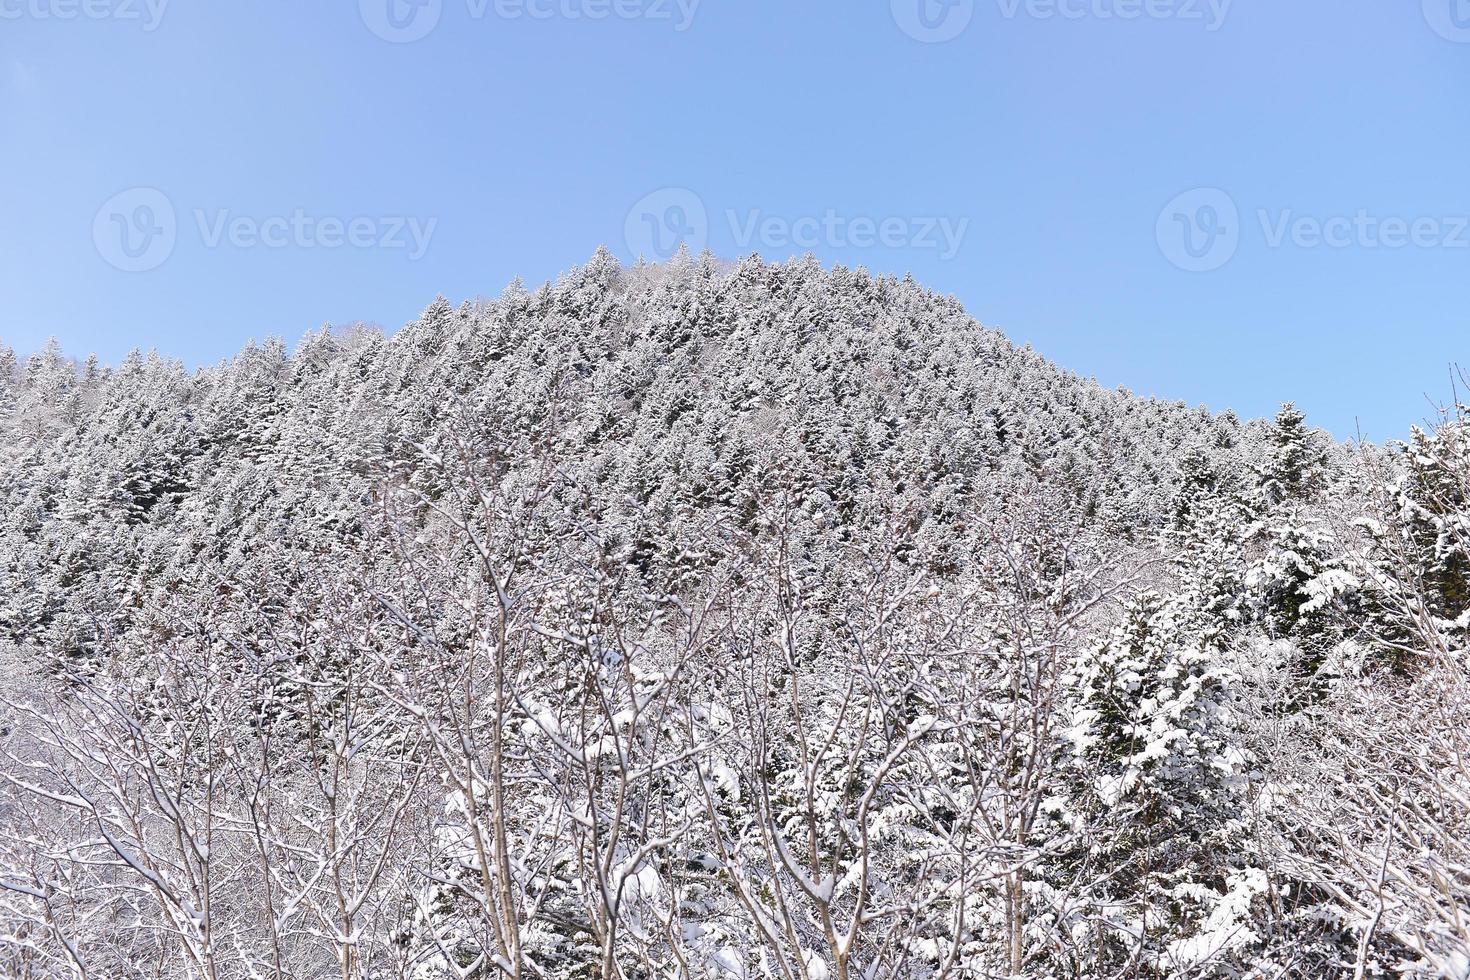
718 620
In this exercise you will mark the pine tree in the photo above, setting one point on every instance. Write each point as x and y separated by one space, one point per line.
1297 581
1156 785
1296 461
1434 506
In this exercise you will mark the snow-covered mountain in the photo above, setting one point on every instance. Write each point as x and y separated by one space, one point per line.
690 392
727 621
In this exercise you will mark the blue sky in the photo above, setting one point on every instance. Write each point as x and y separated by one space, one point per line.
1227 203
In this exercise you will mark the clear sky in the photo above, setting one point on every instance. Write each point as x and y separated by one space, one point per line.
1227 203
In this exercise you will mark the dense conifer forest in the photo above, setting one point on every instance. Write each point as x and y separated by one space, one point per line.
726 620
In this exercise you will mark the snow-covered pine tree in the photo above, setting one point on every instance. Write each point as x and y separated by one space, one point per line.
1152 875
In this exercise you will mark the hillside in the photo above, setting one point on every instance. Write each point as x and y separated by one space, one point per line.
728 621
690 393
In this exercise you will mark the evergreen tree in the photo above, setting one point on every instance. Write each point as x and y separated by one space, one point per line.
1295 463
1154 804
